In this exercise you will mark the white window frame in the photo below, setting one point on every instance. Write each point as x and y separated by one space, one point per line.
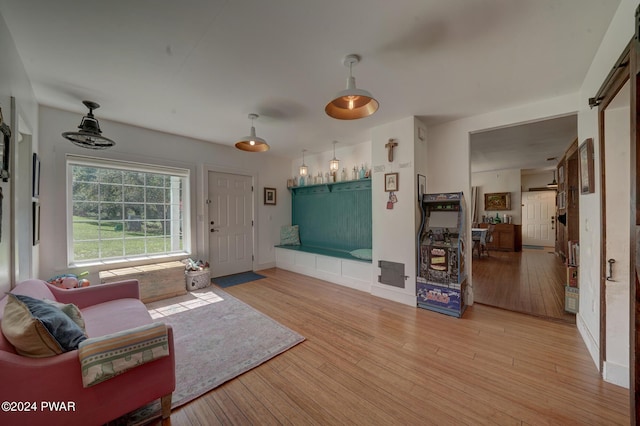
77 160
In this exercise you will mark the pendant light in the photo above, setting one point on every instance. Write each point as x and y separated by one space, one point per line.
334 164
351 103
554 184
89 135
303 168
252 143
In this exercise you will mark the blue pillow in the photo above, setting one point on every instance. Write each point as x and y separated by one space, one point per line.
66 332
364 254
289 235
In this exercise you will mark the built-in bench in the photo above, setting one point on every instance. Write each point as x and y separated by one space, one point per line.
333 219
157 281
336 266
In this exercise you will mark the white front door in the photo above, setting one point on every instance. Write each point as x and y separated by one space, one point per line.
230 223
538 218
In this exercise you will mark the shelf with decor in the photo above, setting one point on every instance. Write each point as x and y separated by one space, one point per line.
348 185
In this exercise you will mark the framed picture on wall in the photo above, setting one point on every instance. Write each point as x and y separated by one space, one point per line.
422 186
35 185
587 178
36 222
497 201
270 196
391 182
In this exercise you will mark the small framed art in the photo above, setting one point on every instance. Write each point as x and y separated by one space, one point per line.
391 182
270 196
587 178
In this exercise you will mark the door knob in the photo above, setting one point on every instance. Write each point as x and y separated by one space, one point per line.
215 230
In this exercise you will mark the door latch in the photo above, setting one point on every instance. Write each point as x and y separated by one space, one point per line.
611 262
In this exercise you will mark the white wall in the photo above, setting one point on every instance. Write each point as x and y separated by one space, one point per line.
536 180
148 146
394 231
618 35
499 181
350 156
448 160
14 82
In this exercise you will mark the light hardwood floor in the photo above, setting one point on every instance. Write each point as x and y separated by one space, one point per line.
370 361
530 281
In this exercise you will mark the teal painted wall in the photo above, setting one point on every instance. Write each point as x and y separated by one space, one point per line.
336 215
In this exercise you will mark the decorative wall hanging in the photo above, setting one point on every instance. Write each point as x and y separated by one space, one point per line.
4 149
35 184
392 200
270 196
36 222
497 201
587 178
390 145
390 182
422 186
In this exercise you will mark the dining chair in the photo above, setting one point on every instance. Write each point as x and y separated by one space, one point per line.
484 248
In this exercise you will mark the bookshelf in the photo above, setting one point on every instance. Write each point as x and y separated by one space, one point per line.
567 219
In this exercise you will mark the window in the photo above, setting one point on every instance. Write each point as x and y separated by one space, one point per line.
122 211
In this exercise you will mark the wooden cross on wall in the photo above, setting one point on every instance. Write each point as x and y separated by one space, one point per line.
390 145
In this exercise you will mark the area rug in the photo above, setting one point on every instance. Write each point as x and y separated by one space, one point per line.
531 247
235 279
216 338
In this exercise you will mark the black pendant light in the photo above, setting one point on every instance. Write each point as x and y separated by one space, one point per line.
554 183
90 135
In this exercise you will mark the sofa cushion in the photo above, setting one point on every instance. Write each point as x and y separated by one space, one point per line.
290 235
71 310
102 358
37 328
115 315
364 254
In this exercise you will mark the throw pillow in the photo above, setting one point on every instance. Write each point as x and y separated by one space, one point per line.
38 329
364 254
72 312
290 235
102 358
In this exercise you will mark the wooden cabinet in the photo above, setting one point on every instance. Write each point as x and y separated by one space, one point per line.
506 237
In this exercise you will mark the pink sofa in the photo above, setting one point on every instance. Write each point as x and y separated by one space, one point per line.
105 309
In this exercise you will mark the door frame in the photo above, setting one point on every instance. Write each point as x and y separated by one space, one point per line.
204 206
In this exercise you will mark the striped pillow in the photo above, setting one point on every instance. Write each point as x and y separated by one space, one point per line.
102 358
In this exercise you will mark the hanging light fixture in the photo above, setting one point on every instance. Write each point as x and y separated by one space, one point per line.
252 143
89 135
334 164
303 168
554 184
351 103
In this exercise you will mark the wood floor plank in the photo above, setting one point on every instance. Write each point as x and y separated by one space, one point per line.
369 361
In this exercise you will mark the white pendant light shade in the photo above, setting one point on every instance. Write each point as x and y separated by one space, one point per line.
252 143
334 164
304 171
351 103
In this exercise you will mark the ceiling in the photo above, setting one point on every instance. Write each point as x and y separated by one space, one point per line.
198 67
